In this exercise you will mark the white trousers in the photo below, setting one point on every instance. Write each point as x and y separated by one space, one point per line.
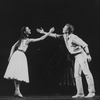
81 65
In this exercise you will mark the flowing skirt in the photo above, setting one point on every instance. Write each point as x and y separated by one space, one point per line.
18 67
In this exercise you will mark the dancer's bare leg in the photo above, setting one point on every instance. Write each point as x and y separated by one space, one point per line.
17 88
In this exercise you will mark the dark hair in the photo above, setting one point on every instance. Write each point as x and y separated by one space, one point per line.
70 28
23 36
23 33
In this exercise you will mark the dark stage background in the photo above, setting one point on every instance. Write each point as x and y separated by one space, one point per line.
47 59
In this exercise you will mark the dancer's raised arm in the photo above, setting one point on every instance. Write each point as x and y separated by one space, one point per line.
55 35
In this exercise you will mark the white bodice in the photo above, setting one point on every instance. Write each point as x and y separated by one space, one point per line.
23 46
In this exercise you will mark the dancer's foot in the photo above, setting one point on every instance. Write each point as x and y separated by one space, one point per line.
90 95
78 96
18 95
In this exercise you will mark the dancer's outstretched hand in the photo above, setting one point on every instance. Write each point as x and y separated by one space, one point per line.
52 30
89 58
40 30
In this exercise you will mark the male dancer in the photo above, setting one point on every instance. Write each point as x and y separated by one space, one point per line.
79 48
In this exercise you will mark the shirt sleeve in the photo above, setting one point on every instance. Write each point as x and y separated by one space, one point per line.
61 37
79 41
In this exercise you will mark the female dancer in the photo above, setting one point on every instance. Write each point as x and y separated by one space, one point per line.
18 67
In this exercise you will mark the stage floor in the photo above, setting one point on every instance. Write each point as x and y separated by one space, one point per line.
46 98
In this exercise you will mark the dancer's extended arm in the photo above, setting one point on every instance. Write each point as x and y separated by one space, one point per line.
38 39
55 35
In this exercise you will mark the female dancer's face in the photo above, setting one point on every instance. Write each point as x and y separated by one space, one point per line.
28 30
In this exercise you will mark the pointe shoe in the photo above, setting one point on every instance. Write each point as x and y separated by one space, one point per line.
78 96
18 95
90 95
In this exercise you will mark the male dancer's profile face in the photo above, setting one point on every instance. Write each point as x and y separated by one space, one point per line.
65 29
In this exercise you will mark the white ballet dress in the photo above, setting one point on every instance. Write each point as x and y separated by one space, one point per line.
18 66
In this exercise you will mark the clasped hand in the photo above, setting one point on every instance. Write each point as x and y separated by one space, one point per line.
43 32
